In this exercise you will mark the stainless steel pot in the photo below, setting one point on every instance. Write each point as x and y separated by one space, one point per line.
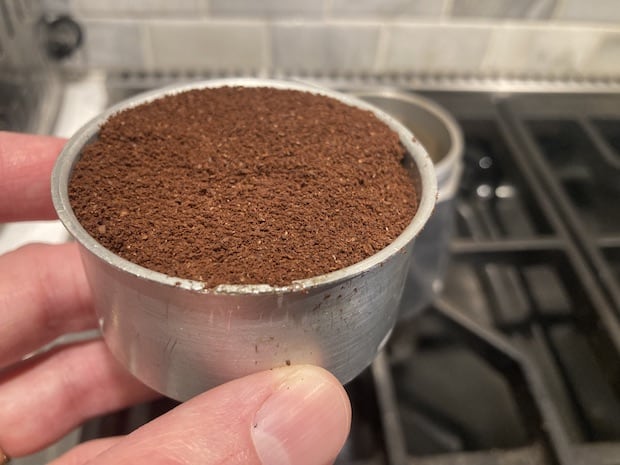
442 137
180 338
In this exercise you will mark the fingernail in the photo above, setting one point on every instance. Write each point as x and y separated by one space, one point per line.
305 421
4 459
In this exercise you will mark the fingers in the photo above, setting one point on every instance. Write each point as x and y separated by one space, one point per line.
43 294
292 415
86 451
48 396
26 163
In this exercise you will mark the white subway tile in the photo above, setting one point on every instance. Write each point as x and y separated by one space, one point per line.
386 8
590 10
435 48
139 8
207 45
604 59
113 44
304 47
56 6
266 8
530 9
537 49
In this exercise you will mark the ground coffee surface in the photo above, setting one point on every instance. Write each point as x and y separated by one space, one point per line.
244 185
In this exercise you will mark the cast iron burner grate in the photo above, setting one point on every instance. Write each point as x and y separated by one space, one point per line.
518 361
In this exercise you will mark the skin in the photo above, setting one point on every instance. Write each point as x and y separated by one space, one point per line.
291 415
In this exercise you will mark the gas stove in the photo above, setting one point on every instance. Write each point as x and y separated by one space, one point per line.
517 361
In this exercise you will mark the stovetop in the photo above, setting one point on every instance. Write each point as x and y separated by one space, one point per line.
518 360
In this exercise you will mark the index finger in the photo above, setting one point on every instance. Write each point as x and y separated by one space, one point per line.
26 163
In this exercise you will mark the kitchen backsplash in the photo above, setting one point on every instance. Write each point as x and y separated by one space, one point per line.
562 39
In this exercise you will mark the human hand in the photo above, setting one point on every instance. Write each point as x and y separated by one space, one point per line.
291 415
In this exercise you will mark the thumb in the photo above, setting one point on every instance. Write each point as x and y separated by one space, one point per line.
295 415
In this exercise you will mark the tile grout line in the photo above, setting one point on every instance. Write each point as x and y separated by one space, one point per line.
446 11
556 10
381 51
267 59
484 60
327 10
147 46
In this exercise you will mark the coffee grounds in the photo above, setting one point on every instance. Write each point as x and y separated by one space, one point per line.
244 185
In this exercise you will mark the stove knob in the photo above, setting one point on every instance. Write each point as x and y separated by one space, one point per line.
62 36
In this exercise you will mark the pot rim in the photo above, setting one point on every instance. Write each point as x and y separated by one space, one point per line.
73 148
457 145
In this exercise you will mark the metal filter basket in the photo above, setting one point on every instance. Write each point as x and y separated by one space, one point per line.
181 338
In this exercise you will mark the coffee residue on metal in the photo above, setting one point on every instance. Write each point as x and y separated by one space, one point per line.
242 185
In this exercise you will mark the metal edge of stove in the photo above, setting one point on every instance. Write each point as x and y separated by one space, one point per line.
41 102
415 81
484 84
49 106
